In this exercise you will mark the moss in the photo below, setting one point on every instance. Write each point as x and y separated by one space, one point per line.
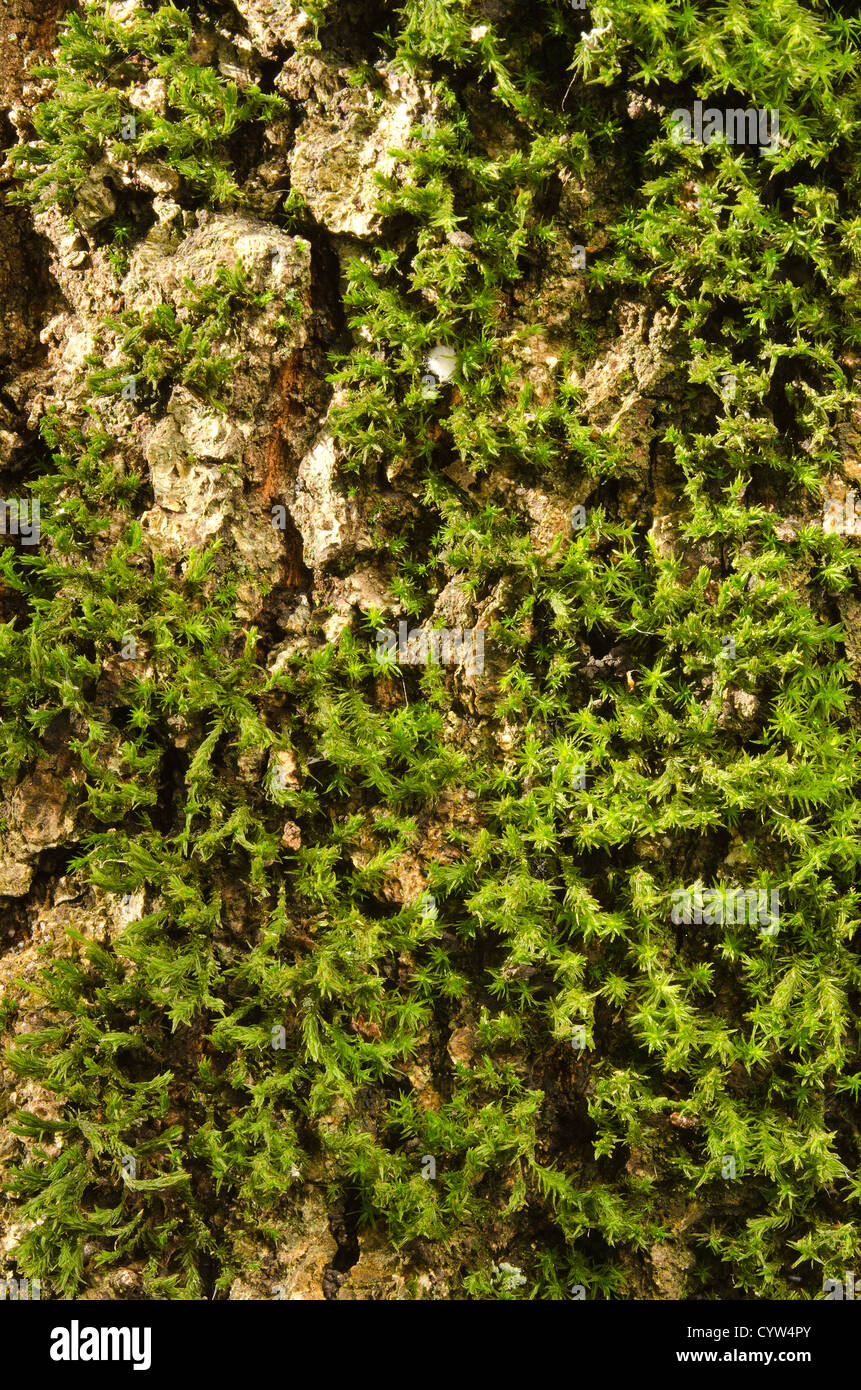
102 62
554 906
165 346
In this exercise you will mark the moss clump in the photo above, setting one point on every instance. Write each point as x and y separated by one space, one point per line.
189 345
674 715
102 63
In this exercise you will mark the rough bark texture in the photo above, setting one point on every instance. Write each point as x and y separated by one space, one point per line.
277 1066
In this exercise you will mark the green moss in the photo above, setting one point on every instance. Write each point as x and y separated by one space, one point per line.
187 345
554 907
90 117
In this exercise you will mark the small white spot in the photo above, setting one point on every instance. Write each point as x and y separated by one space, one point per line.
442 361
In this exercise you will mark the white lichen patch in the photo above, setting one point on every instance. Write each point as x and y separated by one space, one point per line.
344 143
